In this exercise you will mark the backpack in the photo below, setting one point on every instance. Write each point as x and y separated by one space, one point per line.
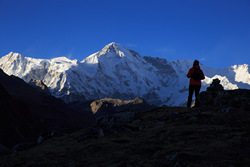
197 74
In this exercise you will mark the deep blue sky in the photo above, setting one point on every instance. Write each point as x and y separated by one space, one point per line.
216 32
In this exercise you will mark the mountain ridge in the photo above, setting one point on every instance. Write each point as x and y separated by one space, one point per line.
118 72
27 112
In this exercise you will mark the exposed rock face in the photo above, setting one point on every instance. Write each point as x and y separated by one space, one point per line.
109 106
39 85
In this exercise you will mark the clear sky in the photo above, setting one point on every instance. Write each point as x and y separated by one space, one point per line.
216 32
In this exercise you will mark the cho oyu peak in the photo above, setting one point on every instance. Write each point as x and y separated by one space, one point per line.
120 73
112 50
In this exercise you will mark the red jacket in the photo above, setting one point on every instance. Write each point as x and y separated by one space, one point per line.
192 81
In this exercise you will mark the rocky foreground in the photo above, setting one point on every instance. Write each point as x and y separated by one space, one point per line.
211 135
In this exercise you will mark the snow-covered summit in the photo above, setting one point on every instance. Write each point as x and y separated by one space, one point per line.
112 50
118 72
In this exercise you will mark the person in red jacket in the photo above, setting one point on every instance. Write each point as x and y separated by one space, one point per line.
195 82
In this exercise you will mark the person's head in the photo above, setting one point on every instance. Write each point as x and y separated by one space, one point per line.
196 63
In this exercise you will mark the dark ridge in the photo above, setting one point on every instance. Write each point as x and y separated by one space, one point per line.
27 113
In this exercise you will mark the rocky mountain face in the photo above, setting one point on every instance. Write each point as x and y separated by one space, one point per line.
110 106
211 135
39 85
119 73
26 112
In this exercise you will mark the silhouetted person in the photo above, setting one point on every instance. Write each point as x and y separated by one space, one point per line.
196 75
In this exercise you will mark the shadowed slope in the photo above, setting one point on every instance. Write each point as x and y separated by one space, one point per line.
27 112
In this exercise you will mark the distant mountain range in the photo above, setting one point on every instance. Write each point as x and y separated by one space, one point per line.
120 73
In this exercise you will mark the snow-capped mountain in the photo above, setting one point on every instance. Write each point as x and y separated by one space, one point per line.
117 72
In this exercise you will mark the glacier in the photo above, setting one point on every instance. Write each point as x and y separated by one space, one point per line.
121 73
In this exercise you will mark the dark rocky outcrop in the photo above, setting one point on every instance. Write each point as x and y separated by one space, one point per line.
104 107
216 96
112 114
239 98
